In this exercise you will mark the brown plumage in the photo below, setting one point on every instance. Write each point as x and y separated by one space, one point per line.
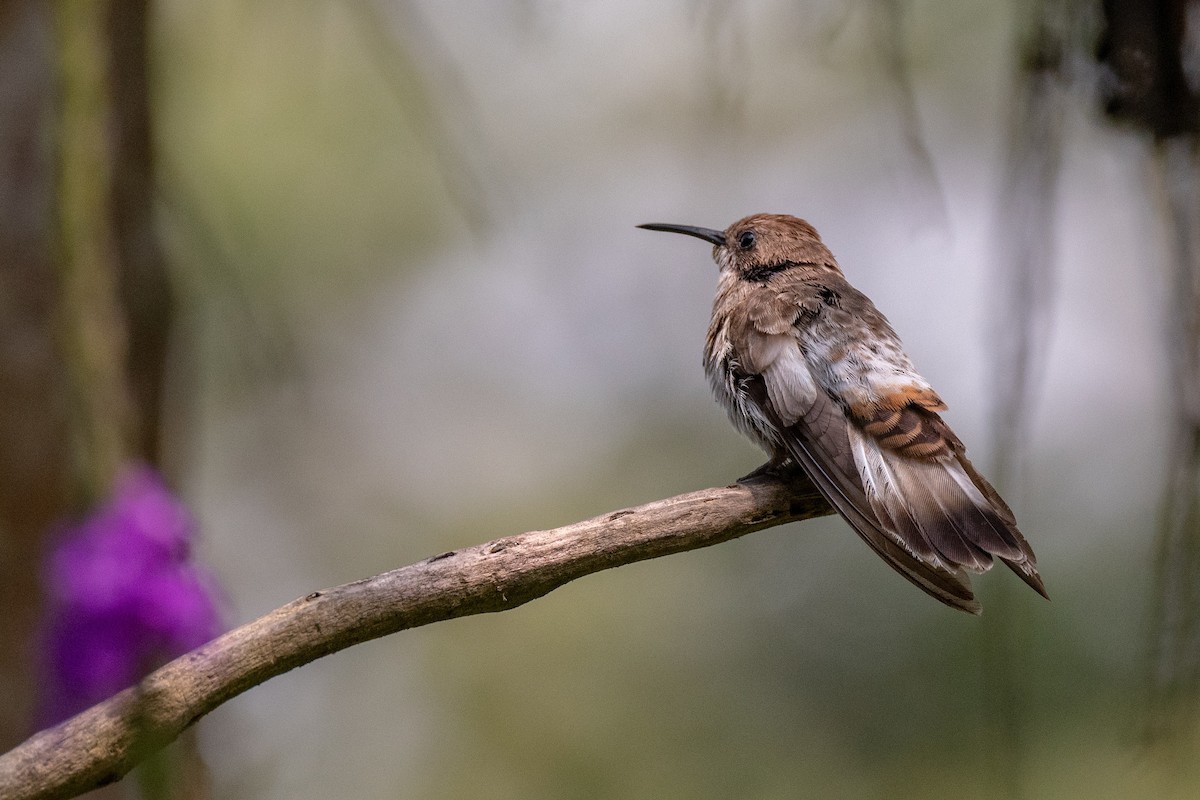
809 369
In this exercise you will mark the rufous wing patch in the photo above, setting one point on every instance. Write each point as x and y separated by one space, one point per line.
912 395
911 431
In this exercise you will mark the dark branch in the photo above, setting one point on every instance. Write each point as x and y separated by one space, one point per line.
103 743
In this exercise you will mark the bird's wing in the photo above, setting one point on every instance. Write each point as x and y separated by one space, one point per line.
911 469
919 482
820 437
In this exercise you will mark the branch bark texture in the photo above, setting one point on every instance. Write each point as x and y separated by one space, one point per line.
102 744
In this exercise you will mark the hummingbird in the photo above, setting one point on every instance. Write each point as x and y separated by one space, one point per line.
812 372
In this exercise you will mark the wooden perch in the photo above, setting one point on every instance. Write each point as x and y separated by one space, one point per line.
105 742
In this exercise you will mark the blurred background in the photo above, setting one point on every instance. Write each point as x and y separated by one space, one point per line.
361 279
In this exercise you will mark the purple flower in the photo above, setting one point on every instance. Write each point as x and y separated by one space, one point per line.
123 596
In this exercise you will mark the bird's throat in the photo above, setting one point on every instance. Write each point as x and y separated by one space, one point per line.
760 273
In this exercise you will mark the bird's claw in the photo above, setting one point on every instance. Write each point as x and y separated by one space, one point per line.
775 469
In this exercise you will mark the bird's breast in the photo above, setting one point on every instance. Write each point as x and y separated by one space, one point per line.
735 387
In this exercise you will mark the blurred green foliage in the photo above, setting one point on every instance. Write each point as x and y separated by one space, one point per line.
294 170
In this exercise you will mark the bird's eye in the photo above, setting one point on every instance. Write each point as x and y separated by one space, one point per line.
746 240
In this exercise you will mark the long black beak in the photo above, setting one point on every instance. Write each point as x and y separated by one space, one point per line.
707 234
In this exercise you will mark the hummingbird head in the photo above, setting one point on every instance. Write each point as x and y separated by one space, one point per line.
759 245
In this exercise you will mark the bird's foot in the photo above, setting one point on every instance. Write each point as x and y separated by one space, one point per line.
775 469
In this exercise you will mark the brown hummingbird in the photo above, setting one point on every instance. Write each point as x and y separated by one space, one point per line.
810 370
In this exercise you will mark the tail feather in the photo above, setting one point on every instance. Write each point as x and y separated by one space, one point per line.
944 522
1024 566
819 442
952 512
931 575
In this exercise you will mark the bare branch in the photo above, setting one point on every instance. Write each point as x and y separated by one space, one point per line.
103 743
